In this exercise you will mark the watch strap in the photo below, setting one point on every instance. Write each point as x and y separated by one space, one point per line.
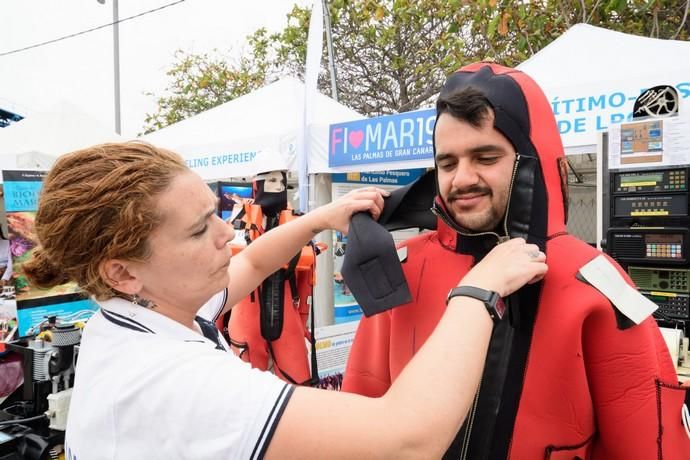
492 301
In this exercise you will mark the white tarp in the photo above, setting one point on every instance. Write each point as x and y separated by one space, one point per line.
254 132
37 140
592 77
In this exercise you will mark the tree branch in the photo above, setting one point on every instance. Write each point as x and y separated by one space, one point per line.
584 11
594 9
682 22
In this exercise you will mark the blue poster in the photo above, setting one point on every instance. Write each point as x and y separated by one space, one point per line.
21 190
396 178
35 307
402 137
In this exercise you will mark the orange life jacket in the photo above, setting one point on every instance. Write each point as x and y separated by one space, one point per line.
269 333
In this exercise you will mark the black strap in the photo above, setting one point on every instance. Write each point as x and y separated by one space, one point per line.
314 379
312 339
271 304
275 364
289 274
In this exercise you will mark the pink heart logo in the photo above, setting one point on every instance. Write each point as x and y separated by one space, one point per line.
356 138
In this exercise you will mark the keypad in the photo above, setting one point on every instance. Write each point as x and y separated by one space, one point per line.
664 250
673 306
676 181
678 281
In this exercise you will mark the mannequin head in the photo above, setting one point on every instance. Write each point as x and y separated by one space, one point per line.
270 191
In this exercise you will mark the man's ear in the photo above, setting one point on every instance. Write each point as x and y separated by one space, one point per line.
118 274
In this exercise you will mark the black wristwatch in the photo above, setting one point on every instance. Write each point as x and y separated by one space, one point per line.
492 301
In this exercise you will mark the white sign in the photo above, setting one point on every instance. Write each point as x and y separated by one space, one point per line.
647 143
584 111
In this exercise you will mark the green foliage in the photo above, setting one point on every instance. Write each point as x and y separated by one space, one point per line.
389 55
200 82
393 55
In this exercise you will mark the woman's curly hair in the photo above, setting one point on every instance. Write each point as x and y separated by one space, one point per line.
98 204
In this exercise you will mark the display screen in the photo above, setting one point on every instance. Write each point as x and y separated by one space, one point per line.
657 298
630 180
232 198
664 238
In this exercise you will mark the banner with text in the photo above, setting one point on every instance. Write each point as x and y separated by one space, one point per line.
401 137
582 112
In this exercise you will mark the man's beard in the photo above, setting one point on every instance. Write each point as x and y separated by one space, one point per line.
475 221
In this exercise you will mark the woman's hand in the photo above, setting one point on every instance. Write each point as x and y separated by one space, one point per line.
508 267
337 214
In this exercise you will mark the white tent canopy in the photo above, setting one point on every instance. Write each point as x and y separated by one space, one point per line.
592 77
36 141
252 133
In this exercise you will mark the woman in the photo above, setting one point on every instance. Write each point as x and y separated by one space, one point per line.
138 231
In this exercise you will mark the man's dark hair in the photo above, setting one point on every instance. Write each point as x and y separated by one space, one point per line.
468 104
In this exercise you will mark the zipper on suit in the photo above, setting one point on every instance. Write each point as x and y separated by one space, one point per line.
510 193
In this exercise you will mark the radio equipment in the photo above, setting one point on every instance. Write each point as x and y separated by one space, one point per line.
650 206
661 279
667 180
671 304
649 244
650 196
646 215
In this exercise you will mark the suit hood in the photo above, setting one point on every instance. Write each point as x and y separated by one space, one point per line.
537 205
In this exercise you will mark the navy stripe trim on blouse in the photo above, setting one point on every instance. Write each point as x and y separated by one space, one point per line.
222 305
112 317
130 320
272 422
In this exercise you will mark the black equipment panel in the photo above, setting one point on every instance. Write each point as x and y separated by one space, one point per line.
643 244
667 180
659 206
671 304
661 279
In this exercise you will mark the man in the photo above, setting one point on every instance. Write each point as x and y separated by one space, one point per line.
569 373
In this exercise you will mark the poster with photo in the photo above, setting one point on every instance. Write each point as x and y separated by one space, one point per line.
232 198
34 305
344 303
649 143
333 344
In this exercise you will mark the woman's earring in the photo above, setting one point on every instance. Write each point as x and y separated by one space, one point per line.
136 300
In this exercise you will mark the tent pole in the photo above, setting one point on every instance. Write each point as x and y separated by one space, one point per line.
329 46
323 291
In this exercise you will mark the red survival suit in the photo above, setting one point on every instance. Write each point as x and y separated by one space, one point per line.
287 353
567 376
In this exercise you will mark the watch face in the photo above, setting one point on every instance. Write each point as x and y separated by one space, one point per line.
500 308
